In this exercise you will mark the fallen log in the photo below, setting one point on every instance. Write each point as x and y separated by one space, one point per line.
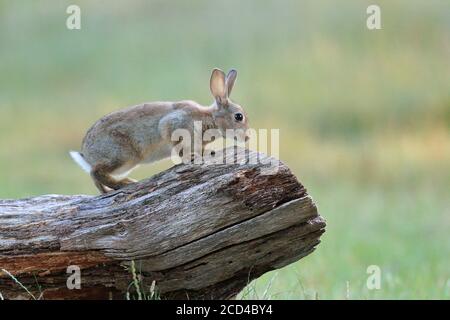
196 231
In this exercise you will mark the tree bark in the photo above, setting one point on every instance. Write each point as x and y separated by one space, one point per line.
199 231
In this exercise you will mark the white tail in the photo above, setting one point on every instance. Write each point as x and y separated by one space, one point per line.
78 158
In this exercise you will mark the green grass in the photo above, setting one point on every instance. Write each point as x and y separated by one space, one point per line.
364 116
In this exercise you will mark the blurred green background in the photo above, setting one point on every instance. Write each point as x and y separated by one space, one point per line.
364 116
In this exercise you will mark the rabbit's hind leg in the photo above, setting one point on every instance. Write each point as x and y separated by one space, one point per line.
101 174
100 187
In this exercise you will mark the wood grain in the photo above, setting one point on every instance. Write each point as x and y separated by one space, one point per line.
200 231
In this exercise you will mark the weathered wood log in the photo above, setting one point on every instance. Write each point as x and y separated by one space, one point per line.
199 231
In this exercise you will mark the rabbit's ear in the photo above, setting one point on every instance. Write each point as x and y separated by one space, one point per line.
230 79
217 85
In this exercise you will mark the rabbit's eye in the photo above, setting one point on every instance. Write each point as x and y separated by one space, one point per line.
238 116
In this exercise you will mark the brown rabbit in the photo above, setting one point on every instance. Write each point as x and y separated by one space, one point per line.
120 141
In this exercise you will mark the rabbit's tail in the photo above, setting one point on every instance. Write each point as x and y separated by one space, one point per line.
79 159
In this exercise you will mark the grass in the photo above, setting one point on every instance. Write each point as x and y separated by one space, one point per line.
25 289
137 290
364 116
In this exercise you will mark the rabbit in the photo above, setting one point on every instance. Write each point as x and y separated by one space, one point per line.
122 140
